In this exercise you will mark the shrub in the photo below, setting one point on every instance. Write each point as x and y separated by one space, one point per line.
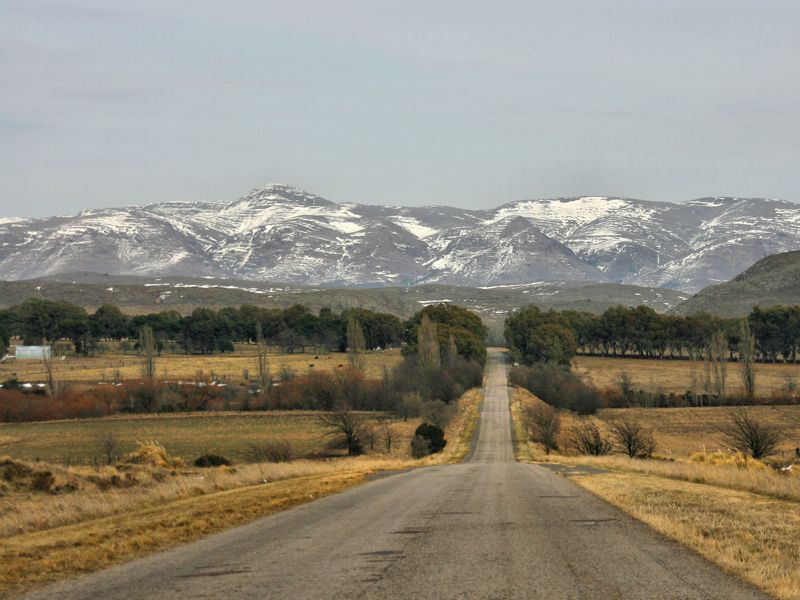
437 412
434 435
42 481
151 453
420 446
544 423
347 431
270 452
558 387
22 476
751 436
587 438
635 440
211 460
739 460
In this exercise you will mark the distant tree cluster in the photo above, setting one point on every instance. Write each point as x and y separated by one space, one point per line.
537 336
443 352
204 331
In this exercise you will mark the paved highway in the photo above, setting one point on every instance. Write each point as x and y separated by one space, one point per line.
489 529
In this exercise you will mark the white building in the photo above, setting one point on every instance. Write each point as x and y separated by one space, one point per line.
32 352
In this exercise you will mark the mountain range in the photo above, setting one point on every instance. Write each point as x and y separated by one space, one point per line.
281 233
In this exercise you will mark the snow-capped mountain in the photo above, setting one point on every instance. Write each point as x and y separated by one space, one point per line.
280 233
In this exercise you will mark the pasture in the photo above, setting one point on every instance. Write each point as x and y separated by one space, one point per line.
185 435
675 376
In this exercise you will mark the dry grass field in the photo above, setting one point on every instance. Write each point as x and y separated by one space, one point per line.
680 432
107 515
186 435
745 518
111 366
676 375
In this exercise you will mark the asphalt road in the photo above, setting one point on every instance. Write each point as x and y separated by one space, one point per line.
489 528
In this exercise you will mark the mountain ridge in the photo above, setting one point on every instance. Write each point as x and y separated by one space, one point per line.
283 233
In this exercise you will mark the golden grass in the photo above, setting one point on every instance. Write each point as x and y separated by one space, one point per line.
676 375
461 431
680 432
750 536
228 367
521 398
43 557
31 511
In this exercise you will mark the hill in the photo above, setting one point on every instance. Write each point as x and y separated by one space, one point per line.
140 294
771 281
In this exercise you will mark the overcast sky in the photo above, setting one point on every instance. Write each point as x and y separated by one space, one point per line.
471 104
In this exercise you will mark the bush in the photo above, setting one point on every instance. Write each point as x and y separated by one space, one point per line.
635 440
434 435
751 436
347 431
544 423
42 481
212 460
587 438
151 453
558 387
437 412
420 446
270 452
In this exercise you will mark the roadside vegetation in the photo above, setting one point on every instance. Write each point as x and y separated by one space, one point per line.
714 496
703 449
165 465
637 357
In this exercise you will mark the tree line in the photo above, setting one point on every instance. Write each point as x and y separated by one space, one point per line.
204 331
443 357
554 336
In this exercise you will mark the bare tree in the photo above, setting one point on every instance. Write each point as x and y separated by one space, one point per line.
355 343
718 357
347 430
635 439
747 359
452 349
264 378
694 380
625 384
428 344
544 423
410 405
387 433
148 348
109 445
749 435
587 438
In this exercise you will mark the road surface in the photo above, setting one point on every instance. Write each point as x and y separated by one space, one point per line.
489 529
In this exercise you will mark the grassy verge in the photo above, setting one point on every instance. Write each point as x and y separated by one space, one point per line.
748 535
746 520
47 556
462 430
519 433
